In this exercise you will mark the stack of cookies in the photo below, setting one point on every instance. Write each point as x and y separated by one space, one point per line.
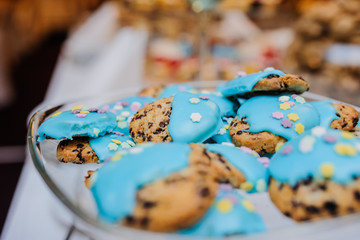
179 159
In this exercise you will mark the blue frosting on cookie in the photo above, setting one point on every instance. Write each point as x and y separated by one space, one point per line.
114 185
223 136
193 119
271 113
125 108
230 214
255 173
109 145
171 90
326 111
320 153
77 122
244 84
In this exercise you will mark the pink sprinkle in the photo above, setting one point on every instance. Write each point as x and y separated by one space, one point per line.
93 109
330 138
182 88
294 96
75 111
225 187
203 97
118 103
102 111
125 103
106 107
135 107
286 123
107 159
232 198
287 150
291 103
277 115
112 110
81 115
241 74
146 103
118 133
264 160
246 150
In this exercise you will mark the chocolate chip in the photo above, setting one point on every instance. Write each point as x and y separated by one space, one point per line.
355 121
281 186
350 209
357 195
150 124
149 138
130 220
158 131
162 124
331 207
344 124
239 132
164 138
322 187
158 106
270 76
312 209
337 114
288 214
149 204
144 222
80 145
205 192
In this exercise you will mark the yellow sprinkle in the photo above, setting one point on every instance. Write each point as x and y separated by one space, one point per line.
278 146
299 128
76 107
255 154
116 141
246 186
192 91
116 157
96 131
285 106
293 117
226 126
56 114
345 149
347 135
224 205
327 170
86 112
248 205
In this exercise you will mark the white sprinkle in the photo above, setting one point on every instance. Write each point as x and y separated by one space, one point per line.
125 145
136 150
228 144
306 144
269 69
112 146
357 146
284 98
318 131
222 131
118 107
194 100
125 114
131 143
96 131
195 117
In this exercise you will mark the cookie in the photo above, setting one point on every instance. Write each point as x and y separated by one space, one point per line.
316 175
263 122
77 122
152 91
182 118
267 82
93 150
336 115
162 91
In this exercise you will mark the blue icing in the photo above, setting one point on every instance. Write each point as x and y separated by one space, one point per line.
67 125
125 109
227 107
223 135
245 84
220 222
171 90
115 184
254 171
258 111
102 149
292 164
326 111
186 130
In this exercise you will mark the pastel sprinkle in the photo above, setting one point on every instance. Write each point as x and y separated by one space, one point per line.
222 131
118 107
327 170
299 128
269 69
228 144
246 186
226 126
232 198
224 205
120 118
125 145
284 98
277 115
306 144
287 150
225 187
182 88
330 138
278 146
93 109
125 103
56 114
291 103
76 107
102 111
204 97
286 123
131 143
96 131
345 149
219 94
194 100
318 131
125 114
293 117
81 115
135 106
248 205
285 106
136 150
261 185
195 117
241 74
118 133
75 111
264 161
246 150
117 157
112 146
294 96
86 112
122 124
116 141
300 100
106 107
113 111
193 91
229 120
347 135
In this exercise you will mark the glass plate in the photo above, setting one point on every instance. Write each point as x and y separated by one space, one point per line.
66 181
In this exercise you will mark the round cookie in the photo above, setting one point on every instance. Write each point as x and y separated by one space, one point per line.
152 91
263 122
269 81
182 118
230 214
77 122
162 91
316 175
336 115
